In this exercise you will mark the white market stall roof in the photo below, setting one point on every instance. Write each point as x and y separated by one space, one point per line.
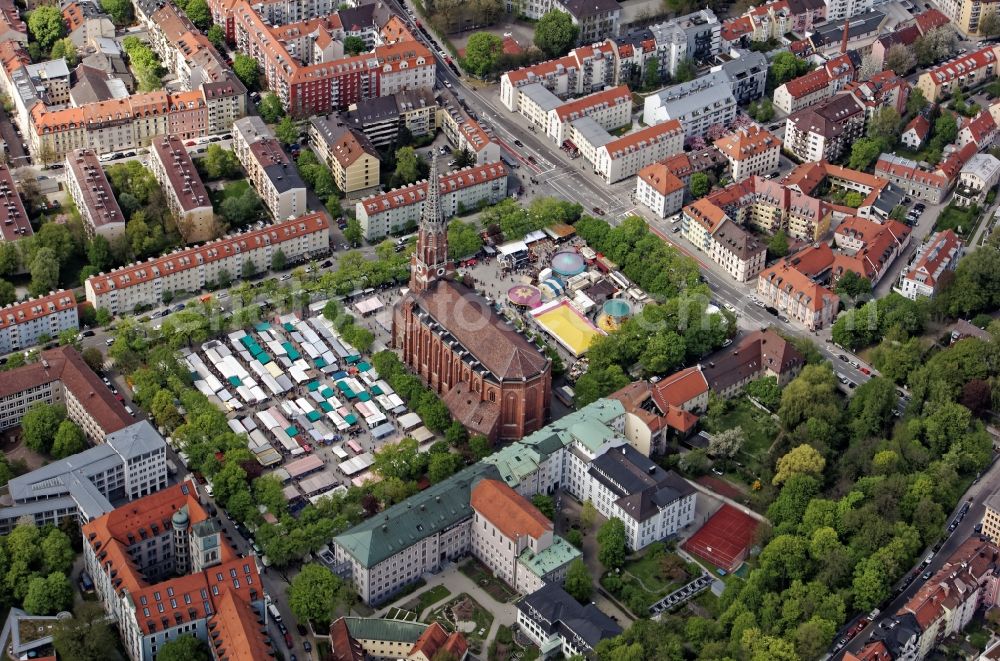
369 305
409 421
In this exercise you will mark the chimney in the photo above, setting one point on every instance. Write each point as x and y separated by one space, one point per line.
843 42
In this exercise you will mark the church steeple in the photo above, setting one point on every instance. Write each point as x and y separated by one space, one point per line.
430 260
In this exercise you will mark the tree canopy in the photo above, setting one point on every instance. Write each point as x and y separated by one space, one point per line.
555 33
482 54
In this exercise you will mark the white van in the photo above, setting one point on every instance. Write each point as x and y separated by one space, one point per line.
273 610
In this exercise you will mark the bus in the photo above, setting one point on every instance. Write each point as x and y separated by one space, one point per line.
354 447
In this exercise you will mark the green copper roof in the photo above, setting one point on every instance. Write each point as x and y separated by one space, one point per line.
561 553
397 631
419 516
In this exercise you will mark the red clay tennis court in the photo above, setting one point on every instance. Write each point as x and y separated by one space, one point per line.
724 539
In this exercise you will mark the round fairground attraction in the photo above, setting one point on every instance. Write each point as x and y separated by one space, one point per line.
613 313
568 264
527 296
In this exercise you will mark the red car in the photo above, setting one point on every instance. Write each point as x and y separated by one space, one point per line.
289 643
190 143
865 370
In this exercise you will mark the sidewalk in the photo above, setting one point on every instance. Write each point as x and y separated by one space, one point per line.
457 583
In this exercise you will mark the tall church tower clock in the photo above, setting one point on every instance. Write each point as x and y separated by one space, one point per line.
430 260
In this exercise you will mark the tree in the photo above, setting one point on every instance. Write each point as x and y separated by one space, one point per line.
8 293
278 260
10 258
463 239
183 648
479 447
120 11
314 593
885 125
286 131
545 505
762 111
555 33
247 70
49 595
85 637
915 102
694 462
40 425
199 13
145 63
700 184
482 53
46 26
900 59
270 108
864 151
611 541
57 552
44 273
785 67
443 465
802 460
588 515
66 49
94 358
651 73
977 396
402 460
598 382
852 285
777 245
217 36
989 24
354 45
727 442
407 166
99 253
69 440
353 232
240 210
766 391
685 71
578 583
220 163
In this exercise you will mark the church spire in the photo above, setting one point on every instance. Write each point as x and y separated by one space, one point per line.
430 259
431 215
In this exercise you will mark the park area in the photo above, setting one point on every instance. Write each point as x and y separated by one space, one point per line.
648 577
427 599
485 579
963 220
759 429
466 615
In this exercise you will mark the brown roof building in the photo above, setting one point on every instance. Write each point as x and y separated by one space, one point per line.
186 194
93 195
760 354
493 380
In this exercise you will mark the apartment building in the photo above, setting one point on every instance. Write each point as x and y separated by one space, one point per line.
272 174
399 208
61 377
382 118
189 269
584 70
750 151
940 82
838 10
14 222
868 248
788 286
929 185
880 196
659 190
696 104
713 232
463 132
132 122
804 91
348 152
129 464
621 158
966 14
393 549
92 193
186 195
747 72
12 26
980 130
991 517
596 19
611 109
24 323
361 638
825 131
554 620
940 252
514 540
163 569
915 133
86 21
979 175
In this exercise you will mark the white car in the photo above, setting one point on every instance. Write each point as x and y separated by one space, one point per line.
730 307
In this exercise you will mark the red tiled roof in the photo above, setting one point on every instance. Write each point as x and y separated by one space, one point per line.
659 177
20 313
963 65
920 126
747 142
736 28
930 19
508 511
580 107
680 388
706 214
649 135
180 260
937 252
435 639
808 83
799 286
453 181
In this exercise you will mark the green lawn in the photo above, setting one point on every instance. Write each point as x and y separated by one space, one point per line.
231 189
446 616
647 570
960 219
482 577
427 599
759 427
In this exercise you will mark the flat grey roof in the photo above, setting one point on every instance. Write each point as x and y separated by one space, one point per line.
135 440
593 132
541 96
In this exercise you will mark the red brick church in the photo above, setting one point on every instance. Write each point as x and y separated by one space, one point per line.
492 379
